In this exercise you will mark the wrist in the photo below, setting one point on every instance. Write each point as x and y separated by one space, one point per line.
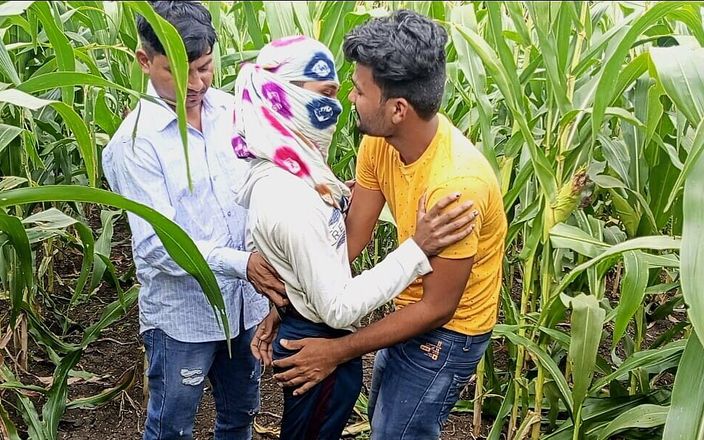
247 264
342 349
417 241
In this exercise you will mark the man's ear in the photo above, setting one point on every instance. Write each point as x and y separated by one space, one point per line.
401 107
142 59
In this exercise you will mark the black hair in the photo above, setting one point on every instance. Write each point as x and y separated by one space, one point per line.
192 21
406 53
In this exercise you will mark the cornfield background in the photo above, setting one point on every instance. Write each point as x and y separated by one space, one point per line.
590 113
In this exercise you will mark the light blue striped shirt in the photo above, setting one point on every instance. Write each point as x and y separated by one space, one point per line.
152 170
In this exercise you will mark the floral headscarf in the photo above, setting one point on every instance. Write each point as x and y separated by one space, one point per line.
280 122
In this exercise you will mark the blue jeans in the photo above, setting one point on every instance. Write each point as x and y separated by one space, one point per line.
177 372
416 383
322 412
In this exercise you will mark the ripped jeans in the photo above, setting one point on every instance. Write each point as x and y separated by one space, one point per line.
177 373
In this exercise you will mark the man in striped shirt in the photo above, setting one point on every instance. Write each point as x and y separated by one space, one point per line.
184 343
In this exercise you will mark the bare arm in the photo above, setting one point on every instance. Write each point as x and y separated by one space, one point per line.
317 358
361 219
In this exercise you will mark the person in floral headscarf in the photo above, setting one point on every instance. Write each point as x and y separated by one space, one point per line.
285 117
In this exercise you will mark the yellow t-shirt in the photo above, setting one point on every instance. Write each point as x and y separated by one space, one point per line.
450 164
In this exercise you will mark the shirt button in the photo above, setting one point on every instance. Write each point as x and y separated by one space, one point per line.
229 213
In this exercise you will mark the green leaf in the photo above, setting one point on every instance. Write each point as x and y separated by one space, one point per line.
474 72
641 359
633 284
677 69
587 321
686 417
652 242
112 313
279 17
125 381
88 243
71 118
333 27
504 410
694 156
8 133
12 226
607 86
65 60
545 360
35 428
642 416
566 236
39 83
55 406
542 167
305 22
8 9
692 253
253 28
178 244
6 65
7 428
540 13
103 245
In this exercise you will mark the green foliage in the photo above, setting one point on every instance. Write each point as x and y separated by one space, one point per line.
590 113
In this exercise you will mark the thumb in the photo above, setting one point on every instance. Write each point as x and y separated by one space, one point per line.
421 204
290 345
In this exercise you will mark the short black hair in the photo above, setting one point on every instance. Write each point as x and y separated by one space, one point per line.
406 53
192 21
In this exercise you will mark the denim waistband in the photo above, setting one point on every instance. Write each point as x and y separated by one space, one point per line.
451 335
310 328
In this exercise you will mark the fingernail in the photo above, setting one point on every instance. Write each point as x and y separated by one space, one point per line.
475 212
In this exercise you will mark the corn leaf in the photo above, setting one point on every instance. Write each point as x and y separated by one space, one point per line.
179 245
642 416
12 226
686 417
634 282
587 321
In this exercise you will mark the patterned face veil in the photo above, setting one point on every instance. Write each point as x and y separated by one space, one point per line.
280 122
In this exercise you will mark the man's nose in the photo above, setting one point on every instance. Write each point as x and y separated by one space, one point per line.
195 83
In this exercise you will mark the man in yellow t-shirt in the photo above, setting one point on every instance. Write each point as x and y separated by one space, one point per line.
430 346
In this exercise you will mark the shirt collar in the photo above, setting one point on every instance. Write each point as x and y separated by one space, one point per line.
160 114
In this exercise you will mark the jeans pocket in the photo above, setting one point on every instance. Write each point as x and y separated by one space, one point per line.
426 352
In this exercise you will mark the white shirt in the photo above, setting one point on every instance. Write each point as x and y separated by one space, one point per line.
305 240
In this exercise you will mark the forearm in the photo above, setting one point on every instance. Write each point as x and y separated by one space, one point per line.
342 305
442 289
399 326
223 261
357 239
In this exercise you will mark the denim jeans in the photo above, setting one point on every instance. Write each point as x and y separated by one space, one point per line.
322 412
177 372
416 383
